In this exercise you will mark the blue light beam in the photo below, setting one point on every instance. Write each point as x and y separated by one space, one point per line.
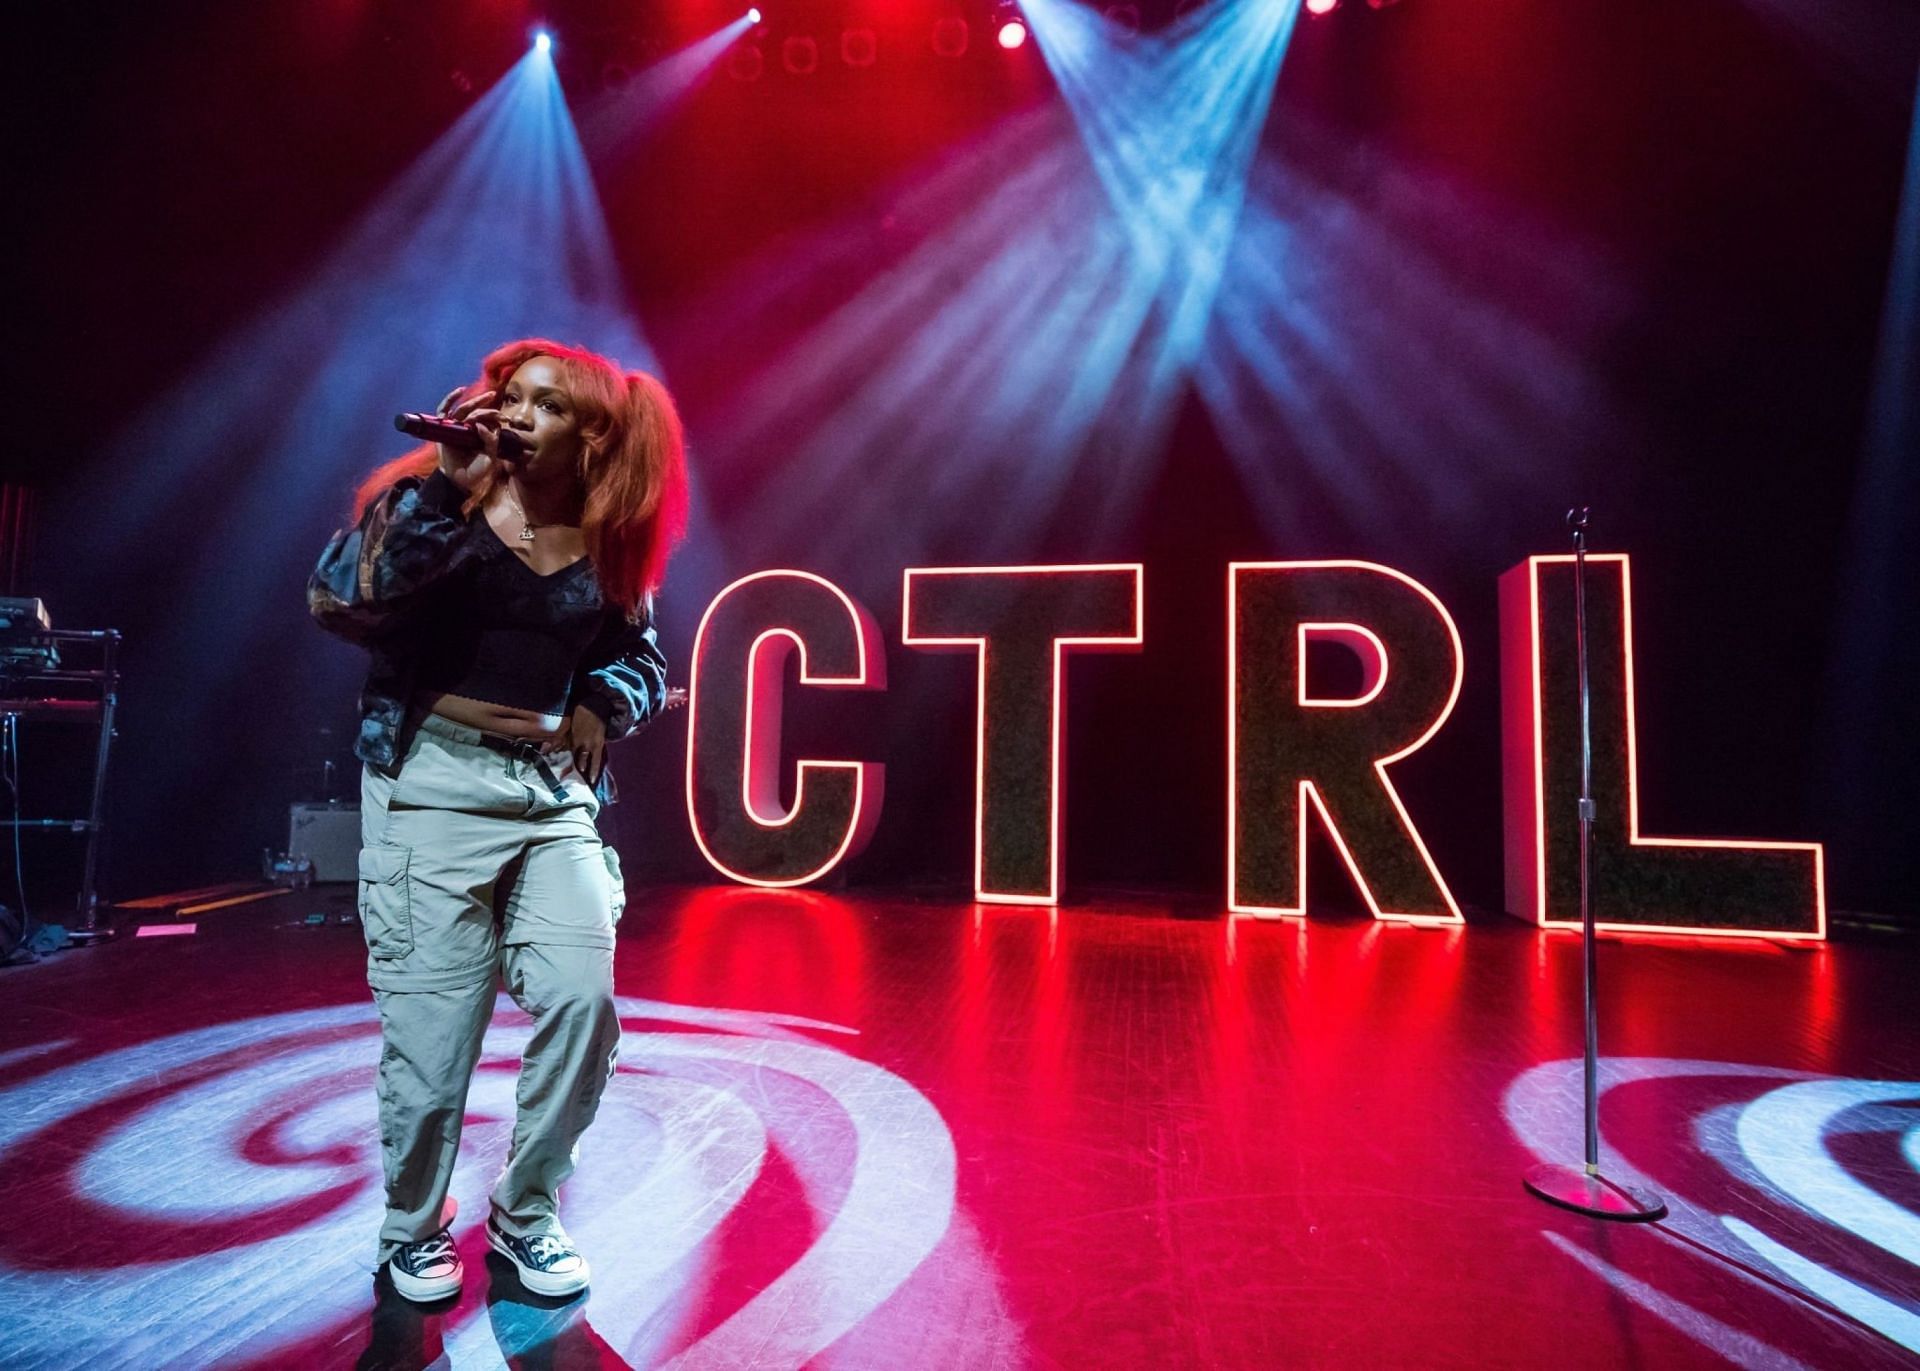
986 358
226 486
1416 356
1015 337
1171 122
620 117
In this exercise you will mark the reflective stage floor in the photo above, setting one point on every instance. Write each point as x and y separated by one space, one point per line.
898 1131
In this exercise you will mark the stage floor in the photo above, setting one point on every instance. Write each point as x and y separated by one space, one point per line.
896 1131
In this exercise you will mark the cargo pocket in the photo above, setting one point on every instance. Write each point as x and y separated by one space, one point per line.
386 914
617 883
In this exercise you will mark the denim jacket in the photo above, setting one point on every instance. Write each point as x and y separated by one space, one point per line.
380 577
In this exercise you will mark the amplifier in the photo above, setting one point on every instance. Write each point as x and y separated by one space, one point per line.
21 614
329 837
25 647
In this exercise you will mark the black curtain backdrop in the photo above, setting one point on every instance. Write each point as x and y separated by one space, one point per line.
1693 202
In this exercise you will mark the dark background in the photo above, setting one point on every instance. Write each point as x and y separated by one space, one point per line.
1692 204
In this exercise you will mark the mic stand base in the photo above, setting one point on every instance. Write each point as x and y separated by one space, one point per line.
1585 1192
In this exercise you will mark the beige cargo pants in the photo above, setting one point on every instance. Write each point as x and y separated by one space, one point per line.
480 863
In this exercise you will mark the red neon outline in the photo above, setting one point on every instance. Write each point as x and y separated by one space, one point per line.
862 626
1060 645
759 779
1306 789
1374 667
1634 838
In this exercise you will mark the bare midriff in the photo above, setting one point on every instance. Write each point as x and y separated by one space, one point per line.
493 718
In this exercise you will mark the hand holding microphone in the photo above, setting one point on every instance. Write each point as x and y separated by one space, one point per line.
467 434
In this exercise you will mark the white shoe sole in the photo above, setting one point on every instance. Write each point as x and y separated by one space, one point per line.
424 1289
542 1282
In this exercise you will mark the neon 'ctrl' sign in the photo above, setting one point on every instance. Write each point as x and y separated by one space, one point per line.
1297 755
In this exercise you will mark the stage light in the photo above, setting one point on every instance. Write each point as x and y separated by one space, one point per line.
746 62
753 16
1322 6
858 47
542 41
645 78
1009 25
1171 120
412 293
950 36
800 56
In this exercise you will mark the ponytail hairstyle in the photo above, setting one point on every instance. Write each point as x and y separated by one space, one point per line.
632 466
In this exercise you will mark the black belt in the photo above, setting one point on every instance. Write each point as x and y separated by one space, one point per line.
526 750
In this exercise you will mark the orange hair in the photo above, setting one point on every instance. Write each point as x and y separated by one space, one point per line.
632 465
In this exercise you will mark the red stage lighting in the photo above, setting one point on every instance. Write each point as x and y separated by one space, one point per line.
1013 33
800 56
1322 6
746 62
950 36
858 47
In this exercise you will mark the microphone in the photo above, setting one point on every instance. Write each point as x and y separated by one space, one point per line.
432 428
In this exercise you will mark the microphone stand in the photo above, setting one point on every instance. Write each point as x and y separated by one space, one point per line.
1583 1189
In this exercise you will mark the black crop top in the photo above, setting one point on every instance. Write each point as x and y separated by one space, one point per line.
508 635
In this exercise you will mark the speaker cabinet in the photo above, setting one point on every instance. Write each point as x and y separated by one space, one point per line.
329 836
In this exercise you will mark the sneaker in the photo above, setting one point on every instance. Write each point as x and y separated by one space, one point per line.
548 1263
427 1270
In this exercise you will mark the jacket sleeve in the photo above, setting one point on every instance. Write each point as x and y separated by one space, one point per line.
376 574
623 675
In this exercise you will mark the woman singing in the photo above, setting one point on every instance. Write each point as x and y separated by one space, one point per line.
505 596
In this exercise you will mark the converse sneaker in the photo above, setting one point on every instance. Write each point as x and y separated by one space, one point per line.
548 1263
426 1270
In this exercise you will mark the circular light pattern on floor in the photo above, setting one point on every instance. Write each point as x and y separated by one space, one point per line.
1827 1227
222 1194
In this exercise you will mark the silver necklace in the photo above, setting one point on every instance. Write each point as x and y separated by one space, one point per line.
527 526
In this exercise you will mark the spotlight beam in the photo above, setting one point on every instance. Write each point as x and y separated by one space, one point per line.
980 365
1463 328
621 117
1171 123
495 231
